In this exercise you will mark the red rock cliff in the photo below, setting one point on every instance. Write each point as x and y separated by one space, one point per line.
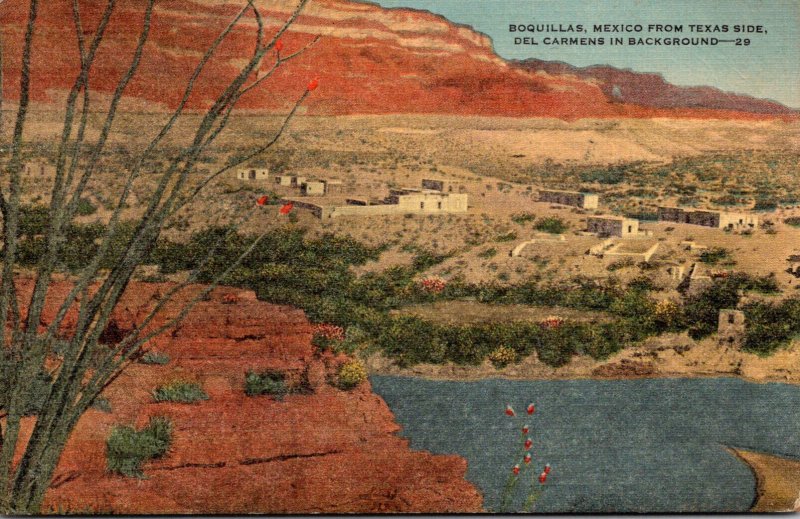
330 451
370 60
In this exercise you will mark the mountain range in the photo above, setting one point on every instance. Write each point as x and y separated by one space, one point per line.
368 60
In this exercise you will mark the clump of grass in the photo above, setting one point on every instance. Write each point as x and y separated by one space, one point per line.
488 253
521 218
351 374
101 404
180 391
715 255
502 357
154 357
552 225
269 382
794 221
127 449
509 236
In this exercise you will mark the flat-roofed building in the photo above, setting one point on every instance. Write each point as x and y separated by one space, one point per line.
571 198
612 226
707 218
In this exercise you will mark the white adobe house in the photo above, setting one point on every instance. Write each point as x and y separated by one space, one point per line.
252 174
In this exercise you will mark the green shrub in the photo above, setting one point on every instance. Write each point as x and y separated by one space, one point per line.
521 218
180 391
552 225
612 175
502 356
351 374
509 236
127 449
270 382
793 221
101 404
85 207
154 357
765 204
715 255
488 253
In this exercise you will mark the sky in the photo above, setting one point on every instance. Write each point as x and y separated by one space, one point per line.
768 68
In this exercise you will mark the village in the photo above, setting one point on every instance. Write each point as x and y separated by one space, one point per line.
680 250
669 250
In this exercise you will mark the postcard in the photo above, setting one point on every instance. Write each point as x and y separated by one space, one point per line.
399 256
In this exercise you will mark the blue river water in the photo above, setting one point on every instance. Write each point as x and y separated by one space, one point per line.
654 445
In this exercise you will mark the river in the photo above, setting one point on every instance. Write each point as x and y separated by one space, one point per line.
649 445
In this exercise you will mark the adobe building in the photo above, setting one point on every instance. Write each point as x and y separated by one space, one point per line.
333 187
706 218
399 201
285 180
252 174
605 226
39 170
416 200
312 188
443 185
731 328
572 198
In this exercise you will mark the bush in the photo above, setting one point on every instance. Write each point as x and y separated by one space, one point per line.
351 374
270 382
502 357
127 449
154 358
521 218
793 221
552 225
85 207
180 391
101 404
715 255
488 253
509 236
765 204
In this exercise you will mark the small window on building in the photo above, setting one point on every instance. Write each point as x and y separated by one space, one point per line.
422 205
731 319
252 174
438 205
630 229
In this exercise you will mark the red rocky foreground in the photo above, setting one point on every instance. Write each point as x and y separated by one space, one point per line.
330 451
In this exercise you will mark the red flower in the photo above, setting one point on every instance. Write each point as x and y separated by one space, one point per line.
433 285
313 84
286 209
547 469
525 429
531 409
528 443
542 477
527 458
262 200
510 411
279 45
329 331
515 470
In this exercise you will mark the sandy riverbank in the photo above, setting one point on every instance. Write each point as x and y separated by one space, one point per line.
777 481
